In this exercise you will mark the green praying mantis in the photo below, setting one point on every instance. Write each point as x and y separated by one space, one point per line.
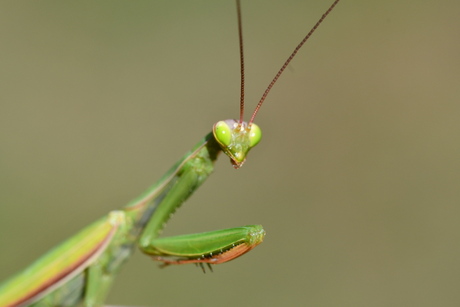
81 269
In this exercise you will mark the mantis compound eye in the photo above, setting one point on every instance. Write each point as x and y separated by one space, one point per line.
255 135
223 133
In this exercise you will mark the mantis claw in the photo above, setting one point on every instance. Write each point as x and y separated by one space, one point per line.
203 268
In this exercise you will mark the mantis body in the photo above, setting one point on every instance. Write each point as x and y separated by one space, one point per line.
82 268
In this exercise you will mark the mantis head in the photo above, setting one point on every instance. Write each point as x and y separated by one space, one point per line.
236 139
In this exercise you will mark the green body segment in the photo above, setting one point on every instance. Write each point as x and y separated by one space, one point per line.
62 263
206 244
82 268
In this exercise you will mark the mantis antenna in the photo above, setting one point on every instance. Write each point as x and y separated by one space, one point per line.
289 59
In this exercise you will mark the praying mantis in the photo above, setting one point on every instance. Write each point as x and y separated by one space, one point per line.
81 269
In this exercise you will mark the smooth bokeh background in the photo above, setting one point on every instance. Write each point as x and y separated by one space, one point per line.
356 179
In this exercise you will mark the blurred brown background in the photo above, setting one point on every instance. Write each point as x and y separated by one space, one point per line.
356 179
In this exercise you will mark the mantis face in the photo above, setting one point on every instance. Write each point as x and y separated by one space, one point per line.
236 139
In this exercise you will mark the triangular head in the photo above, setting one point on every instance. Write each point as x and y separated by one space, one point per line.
236 139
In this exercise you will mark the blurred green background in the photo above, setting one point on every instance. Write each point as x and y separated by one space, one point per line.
356 179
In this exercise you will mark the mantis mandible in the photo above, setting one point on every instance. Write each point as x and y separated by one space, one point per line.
82 268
